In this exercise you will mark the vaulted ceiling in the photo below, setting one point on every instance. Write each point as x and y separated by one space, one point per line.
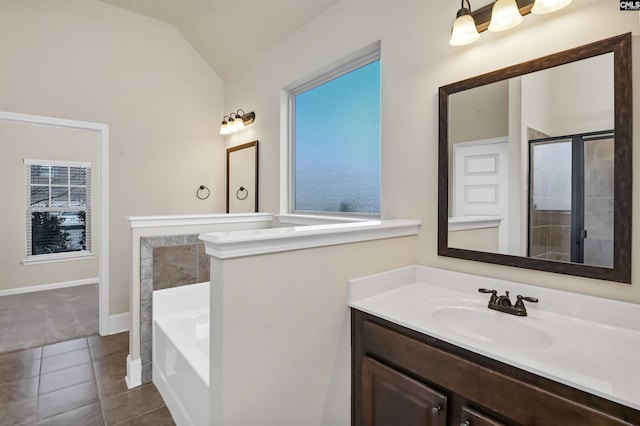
229 34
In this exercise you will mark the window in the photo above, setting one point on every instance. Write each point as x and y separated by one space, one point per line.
58 201
336 140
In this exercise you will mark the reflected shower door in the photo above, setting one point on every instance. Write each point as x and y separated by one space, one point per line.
550 199
598 202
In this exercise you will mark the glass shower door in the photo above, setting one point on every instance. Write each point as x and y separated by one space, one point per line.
550 194
598 202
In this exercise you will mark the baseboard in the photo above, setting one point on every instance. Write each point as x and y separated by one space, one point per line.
52 286
119 323
134 372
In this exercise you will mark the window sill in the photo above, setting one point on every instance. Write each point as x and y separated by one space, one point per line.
57 257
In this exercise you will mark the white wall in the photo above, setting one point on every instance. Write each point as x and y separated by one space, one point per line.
86 60
19 141
280 332
582 96
479 113
416 60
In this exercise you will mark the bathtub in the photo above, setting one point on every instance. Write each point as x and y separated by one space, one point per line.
181 351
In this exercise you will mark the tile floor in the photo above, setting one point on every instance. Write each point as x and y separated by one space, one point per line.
76 383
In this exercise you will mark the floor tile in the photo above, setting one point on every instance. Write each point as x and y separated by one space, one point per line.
71 390
131 404
19 413
110 372
96 340
67 399
159 417
89 415
65 360
64 378
109 387
63 347
16 370
105 349
18 391
111 366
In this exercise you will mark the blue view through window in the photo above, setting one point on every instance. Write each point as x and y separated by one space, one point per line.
337 144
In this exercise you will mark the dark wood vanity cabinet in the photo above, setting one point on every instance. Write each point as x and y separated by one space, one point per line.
402 378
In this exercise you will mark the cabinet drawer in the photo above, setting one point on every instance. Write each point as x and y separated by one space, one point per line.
521 402
470 417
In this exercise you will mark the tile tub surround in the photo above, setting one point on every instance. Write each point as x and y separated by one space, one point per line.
76 382
166 262
44 317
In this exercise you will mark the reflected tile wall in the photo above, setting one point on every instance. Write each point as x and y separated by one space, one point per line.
166 262
550 235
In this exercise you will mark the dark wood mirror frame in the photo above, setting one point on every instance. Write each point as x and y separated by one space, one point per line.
621 271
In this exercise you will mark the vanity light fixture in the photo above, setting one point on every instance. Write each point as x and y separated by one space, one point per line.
499 15
236 121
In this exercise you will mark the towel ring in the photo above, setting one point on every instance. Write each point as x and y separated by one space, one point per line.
203 192
240 192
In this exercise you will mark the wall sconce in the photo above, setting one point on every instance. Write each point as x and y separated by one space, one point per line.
498 16
236 121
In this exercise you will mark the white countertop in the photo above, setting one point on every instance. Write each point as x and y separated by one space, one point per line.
589 343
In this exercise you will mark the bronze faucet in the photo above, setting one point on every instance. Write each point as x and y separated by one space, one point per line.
503 303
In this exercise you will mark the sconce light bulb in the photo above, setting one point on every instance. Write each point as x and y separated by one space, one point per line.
541 7
464 29
238 124
504 15
223 128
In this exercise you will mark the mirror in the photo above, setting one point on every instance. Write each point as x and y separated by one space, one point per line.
535 164
242 178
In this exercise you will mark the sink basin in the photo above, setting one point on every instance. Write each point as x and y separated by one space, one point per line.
489 326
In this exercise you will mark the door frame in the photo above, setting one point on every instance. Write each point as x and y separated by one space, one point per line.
103 188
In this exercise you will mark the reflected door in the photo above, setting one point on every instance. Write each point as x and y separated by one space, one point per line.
480 182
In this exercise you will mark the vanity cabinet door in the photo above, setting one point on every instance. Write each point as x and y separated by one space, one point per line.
391 398
471 417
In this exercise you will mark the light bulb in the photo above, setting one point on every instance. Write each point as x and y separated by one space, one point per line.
540 7
223 128
238 124
464 29
504 15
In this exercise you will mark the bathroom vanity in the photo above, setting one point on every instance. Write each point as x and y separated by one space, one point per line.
426 350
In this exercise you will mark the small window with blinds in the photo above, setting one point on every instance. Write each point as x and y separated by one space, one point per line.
58 210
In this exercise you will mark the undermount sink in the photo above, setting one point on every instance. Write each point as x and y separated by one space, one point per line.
493 327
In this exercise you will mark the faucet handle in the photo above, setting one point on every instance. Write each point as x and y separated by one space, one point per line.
494 295
520 303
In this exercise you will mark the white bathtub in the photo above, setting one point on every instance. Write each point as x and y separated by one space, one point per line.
181 351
